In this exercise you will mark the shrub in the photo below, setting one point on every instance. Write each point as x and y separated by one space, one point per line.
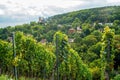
117 77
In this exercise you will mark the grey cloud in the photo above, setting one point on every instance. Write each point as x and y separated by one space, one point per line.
33 7
2 6
53 10
89 4
92 0
9 1
95 2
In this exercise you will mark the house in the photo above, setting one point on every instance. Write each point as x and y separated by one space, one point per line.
70 40
71 31
101 30
100 23
59 25
109 24
94 24
79 30
9 39
43 41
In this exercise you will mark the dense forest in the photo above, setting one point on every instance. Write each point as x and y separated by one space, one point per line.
80 45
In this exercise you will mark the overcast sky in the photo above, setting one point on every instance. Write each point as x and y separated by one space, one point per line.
20 11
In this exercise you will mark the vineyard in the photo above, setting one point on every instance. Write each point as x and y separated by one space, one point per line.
36 60
63 47
55 61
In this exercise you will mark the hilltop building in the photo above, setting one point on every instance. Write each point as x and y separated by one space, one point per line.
41 20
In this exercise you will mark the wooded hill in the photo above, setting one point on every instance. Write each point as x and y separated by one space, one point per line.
102 15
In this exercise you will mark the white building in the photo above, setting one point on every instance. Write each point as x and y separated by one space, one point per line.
70 40
79 29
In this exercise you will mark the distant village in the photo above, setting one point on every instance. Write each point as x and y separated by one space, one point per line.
70 31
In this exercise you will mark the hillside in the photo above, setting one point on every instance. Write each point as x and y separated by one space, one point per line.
88 45
103 14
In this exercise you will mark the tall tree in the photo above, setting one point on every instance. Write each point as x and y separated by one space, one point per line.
107 54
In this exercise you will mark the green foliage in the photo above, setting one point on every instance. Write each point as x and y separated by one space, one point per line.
116 51
71 65
95 69
5 55
96 73
25 78
33 55
5 77
97 34
2 77
107 54
76 22
117 77
89 40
